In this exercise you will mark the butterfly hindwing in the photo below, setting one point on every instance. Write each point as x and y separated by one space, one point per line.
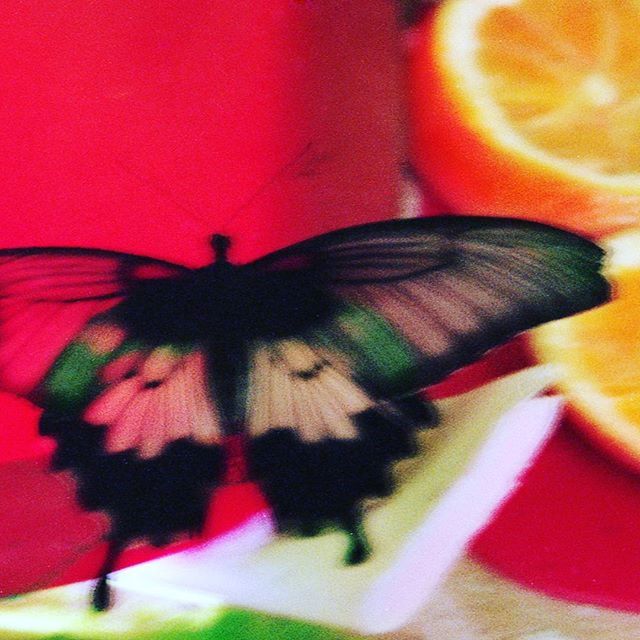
320 443
144 396
139 427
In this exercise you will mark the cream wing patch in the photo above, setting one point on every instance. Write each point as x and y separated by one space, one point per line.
309 390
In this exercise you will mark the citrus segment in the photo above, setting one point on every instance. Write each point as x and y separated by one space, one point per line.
531 108
561 81
598 356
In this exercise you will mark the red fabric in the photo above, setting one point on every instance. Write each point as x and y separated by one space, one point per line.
145 126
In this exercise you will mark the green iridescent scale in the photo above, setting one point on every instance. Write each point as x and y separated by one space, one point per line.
383 361
74 380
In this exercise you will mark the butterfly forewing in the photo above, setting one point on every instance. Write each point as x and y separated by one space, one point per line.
47 296
454 286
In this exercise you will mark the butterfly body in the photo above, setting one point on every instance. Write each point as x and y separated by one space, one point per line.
313 356
225 301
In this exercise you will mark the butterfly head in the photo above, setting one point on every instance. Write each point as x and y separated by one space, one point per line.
220 245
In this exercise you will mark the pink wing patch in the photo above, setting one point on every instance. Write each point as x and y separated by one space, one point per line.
46 299
154 398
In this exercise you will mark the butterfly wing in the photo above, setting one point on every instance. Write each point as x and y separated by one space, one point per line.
450 287
139 427
136 422
320 443
413 301
48 295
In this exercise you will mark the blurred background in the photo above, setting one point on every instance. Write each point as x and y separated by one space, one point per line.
145 127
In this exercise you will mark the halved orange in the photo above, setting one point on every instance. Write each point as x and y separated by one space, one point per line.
531 108
597 354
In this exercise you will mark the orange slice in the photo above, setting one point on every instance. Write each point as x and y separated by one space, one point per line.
598 356
531 108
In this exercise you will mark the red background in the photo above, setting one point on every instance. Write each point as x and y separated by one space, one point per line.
145 126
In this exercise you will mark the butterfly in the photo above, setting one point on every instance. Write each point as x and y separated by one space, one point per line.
314 356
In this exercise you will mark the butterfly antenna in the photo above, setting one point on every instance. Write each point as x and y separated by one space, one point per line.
197 220
101 595
298 158
228 216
